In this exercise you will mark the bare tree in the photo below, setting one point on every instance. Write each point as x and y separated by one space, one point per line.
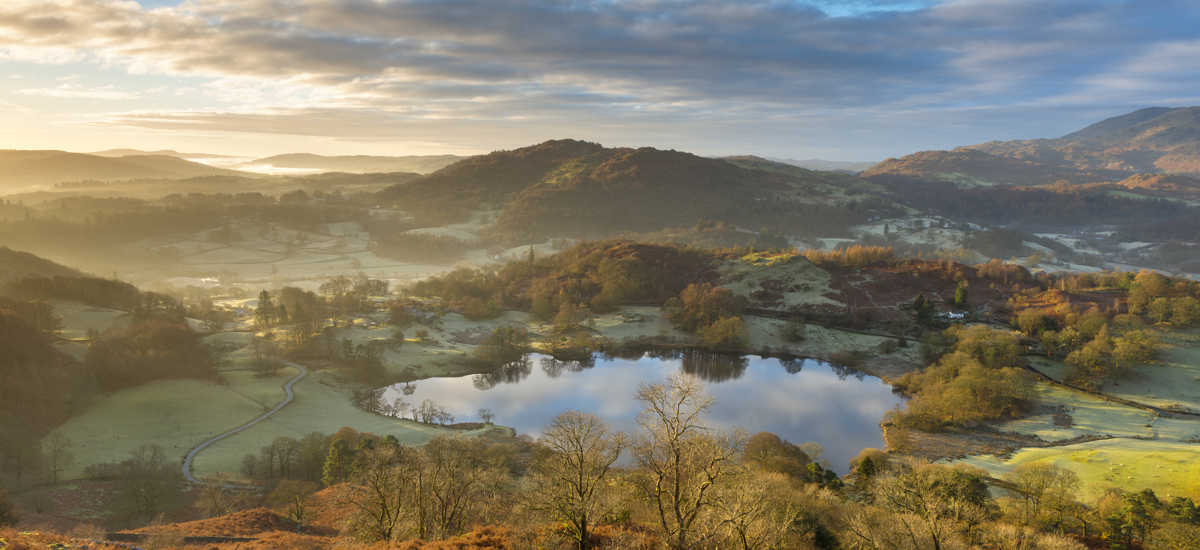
934 505
58 454
218 497
457 471
682 457
22 451
384 504
571 468
486 415
286 450
293 497
1042 487
149 483
754 509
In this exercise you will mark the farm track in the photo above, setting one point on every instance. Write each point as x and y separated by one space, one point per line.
187 463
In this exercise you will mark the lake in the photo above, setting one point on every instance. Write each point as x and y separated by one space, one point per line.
801 400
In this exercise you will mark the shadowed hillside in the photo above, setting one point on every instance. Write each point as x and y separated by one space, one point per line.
580 189
15 264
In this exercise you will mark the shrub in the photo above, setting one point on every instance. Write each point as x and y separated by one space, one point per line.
730 332
854 256
794 330
701 305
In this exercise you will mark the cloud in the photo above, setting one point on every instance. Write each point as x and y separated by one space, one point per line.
637 61
79 91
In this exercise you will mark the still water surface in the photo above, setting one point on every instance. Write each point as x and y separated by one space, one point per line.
800 399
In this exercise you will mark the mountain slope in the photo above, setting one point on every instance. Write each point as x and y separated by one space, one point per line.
165 152
973 168
1156 139
1115 124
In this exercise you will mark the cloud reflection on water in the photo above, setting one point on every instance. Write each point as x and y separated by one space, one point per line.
838 408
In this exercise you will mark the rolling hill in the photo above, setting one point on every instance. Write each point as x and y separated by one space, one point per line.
580 189
27 169
15 264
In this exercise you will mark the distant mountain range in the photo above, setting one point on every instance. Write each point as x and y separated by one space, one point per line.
353 164
827 165
25 169
1157 139
162 152
965 167
1153 140
359 164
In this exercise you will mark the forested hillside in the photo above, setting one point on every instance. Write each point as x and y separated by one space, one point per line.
580 189
15 264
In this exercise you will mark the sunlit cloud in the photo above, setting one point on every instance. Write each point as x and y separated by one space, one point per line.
78 91
543 66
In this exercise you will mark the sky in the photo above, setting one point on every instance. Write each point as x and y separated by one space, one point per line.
856 80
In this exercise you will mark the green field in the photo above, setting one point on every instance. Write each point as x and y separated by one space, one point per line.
179 414
176 414
1169 468
322 404
1146 450
1172 380
78 317
1092 416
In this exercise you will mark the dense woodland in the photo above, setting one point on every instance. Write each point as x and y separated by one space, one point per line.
599 274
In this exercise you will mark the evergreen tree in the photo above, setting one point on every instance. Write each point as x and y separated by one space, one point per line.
922 306
960 295
264 314
865 471
338 463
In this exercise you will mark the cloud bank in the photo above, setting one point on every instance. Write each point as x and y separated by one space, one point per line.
745 70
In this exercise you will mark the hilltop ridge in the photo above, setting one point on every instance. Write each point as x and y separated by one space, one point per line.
1155 139
582 189
20 169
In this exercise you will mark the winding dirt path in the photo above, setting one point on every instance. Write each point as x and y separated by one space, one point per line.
187 463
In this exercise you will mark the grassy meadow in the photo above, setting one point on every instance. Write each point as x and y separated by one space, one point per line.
1169 468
